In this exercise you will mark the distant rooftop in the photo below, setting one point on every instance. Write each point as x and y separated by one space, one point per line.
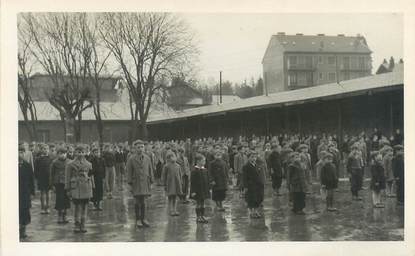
322 43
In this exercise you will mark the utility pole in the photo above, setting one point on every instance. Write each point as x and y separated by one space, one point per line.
220 87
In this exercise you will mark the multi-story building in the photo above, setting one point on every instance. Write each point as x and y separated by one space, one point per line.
298 61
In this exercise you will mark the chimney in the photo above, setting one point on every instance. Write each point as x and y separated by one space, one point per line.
281 33
320 34
299 34
341 35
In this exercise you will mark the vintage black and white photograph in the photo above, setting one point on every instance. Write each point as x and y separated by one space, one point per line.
161 126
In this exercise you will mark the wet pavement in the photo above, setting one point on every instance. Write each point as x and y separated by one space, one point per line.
355 220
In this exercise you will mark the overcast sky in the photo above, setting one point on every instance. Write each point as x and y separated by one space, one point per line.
236 43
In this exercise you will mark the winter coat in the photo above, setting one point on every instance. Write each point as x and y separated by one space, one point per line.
328 176
275 164
296 178
199 183
109 159
98 174
378 176
77 180
172 179
239 161
252 181
26 185
140 174
57 171
42 172
219 174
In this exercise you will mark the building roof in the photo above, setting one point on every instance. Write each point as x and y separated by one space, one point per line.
317 43
225 98
343 89
160 113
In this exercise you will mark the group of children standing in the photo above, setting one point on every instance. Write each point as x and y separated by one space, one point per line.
192 172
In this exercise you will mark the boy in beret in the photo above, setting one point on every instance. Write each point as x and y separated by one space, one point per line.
98 175
297 183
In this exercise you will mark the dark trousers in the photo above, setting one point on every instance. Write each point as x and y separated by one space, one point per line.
298 201
356 181
276 181
185 187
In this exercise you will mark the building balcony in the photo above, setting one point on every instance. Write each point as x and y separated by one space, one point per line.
302 67
349 68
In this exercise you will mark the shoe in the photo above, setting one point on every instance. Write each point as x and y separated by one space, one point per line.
64 221
300 212
221 209
138 224
43 212
82 228
176 214
47 211
204 220
99 208
77 228
145 223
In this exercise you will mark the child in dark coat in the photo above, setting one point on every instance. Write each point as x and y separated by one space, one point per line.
57 171
219 179
98 174
42 175
172 180
253 185
26 191
297 182
378 181
199 187
329 180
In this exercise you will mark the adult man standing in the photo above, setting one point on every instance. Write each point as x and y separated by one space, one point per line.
140 178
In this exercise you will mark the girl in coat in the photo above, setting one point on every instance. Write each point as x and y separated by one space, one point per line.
377 183
218 179
199 187
57 171
98 174
42 175
79 186
329 180
398 167
172 180
26 191
387 153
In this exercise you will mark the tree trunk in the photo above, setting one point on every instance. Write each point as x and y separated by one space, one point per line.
100 128
69 123
143 129
134 130
78 128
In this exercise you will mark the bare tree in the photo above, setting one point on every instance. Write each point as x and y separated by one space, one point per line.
95 56
56 44
149 47
25 64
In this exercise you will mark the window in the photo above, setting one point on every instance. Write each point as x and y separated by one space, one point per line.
332 77
292 61
331 60
320 59
362 64
346 75
292 79
320 76
308 61
309 78
346 62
